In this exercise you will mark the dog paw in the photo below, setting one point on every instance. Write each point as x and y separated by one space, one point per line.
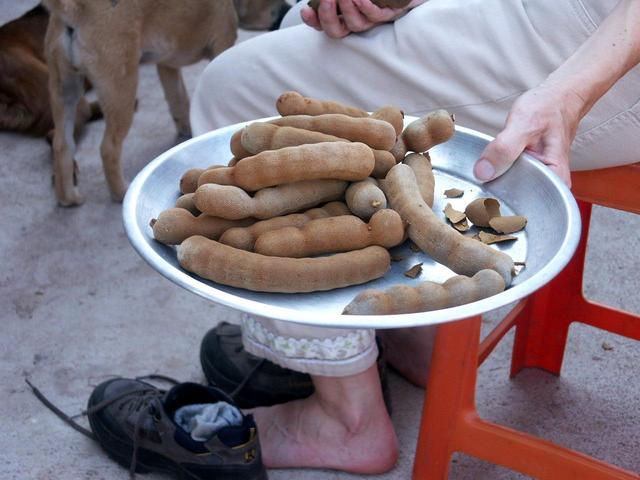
117 195
71 199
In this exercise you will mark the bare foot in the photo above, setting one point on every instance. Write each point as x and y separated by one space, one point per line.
408 351
343 426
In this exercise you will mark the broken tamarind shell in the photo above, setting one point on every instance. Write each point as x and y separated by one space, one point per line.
481 210
508 224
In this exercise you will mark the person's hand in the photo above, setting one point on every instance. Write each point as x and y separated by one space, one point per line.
355 16
543 123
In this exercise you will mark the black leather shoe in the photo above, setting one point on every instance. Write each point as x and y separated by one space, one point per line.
133 421
227 365
256 382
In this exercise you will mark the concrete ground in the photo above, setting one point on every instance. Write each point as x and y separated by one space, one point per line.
78 305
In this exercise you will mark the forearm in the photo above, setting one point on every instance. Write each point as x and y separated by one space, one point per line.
602 60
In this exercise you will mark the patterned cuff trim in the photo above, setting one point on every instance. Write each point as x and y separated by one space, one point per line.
335 348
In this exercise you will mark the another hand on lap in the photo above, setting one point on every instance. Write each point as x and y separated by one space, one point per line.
355 16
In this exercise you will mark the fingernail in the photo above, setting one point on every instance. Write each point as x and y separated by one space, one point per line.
484 170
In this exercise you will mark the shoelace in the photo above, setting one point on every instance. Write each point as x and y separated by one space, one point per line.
147 400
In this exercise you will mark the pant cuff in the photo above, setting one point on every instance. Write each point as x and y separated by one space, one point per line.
337 356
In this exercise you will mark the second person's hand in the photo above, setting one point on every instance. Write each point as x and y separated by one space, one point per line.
542 123
355 16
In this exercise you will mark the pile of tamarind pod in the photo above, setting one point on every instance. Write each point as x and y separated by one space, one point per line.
313 200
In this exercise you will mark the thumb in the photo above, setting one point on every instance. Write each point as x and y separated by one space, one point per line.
500 154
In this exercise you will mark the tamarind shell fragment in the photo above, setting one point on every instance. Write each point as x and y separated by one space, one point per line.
508 224
490 238
482 210
453 193
453 215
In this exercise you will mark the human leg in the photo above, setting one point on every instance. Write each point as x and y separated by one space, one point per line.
346 410
464 56
344 425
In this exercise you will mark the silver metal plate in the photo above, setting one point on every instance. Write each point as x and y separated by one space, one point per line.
528 188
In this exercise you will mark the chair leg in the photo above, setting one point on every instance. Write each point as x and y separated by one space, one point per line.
543 325
531 455
450 393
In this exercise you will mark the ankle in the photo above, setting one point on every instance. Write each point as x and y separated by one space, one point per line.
355 401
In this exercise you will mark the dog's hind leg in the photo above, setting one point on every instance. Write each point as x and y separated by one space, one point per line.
177 98
66 87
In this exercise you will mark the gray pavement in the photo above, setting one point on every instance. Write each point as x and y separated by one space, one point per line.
78 305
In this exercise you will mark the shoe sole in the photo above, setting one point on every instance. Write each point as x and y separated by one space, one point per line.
149 461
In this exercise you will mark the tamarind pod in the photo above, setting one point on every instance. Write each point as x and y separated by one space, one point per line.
331 235
364 198
444 244
237 149
383 162
244 238
261 136
399 149
189 180
428 131
335 160
238 268
421 166
186 201
293 103
392 115
427 296
233 203
378 134
176 224
221 176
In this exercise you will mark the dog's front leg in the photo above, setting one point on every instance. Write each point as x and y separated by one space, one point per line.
66 87
177 98
115 80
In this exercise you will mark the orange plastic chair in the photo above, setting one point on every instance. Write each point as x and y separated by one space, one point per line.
450 422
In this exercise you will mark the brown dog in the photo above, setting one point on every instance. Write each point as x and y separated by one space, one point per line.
24 77
104 41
